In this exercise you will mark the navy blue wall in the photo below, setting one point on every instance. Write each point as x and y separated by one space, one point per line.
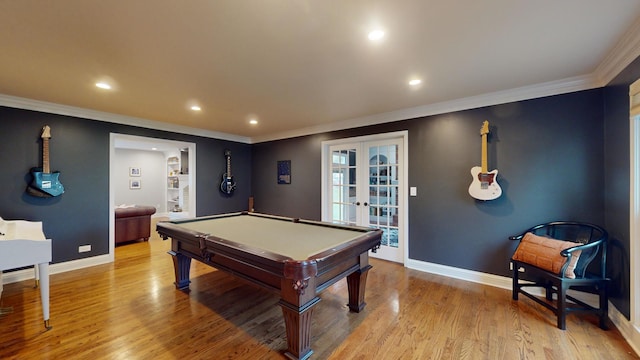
549 153
79 149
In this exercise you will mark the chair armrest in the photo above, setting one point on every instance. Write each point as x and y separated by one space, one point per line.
566 252
516 237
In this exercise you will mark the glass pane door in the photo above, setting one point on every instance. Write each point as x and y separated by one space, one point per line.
384 169
343 186
365 190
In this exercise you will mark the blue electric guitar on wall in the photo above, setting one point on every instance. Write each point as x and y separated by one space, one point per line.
45 183
484 185
228 184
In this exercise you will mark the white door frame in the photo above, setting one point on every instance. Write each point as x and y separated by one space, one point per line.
634 221
404 205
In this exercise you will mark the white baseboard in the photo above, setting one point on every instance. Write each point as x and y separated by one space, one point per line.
630 332
462 274
27 274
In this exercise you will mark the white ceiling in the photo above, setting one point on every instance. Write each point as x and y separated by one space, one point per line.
301 66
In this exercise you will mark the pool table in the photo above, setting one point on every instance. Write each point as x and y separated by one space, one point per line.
295 258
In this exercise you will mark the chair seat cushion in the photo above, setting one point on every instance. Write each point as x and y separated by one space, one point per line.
544 253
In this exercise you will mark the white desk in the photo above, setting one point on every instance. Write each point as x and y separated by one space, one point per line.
22 243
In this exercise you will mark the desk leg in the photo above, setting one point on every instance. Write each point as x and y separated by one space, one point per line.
181 267
357 282
43 272
297 320
36 276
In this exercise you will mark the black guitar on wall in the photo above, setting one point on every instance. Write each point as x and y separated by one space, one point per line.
45 183
228 184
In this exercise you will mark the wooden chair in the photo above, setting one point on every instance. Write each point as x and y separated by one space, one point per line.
591 243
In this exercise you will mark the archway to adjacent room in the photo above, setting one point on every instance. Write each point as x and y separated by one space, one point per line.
154 172
364 183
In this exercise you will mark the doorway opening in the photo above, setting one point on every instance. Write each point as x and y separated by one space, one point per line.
151 172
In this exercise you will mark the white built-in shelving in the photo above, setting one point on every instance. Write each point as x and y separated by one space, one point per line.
177 186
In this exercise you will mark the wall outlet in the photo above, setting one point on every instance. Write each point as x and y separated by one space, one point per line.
84 248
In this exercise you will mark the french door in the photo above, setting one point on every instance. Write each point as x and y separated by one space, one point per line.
364 186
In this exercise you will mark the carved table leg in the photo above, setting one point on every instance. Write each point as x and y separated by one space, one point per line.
357 282
181 267
297 321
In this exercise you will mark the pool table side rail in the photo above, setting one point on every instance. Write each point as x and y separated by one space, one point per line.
275 217
172 229
260 270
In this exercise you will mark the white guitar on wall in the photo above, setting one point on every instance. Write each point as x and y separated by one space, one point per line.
484 185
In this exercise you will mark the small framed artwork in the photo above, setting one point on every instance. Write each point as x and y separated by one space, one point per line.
134 171
134 183
284 172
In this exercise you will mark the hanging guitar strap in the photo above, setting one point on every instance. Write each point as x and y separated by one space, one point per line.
34 191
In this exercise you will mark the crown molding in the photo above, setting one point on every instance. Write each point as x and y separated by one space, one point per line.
573 84
59 109
626 50
556 87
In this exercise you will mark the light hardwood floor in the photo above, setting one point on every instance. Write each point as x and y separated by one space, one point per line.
131 310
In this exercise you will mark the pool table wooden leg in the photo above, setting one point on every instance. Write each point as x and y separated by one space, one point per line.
297 321
181 267
357 282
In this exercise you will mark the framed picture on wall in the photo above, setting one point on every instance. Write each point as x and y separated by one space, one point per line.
284 172
134 183
134 171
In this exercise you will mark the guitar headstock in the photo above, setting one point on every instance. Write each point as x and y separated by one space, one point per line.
46 132
484 130
227 152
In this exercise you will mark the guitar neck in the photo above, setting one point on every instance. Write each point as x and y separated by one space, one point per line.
228 166
45 156
483 162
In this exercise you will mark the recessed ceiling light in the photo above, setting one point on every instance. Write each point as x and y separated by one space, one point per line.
103 85
154 148
415 82
196 108
253 122
376 35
